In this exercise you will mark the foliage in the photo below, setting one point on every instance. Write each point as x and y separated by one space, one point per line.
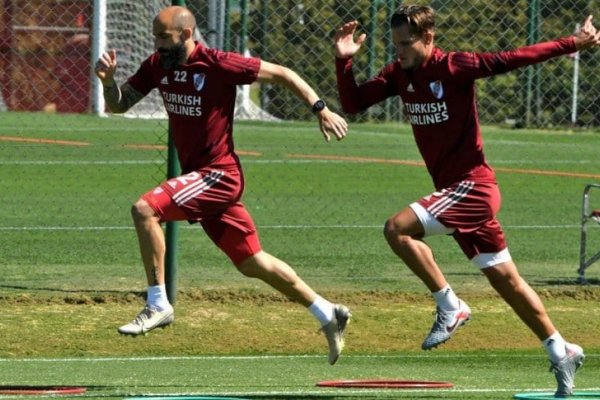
299 34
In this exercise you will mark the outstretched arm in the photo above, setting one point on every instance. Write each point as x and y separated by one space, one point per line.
118 99
329 121
480 65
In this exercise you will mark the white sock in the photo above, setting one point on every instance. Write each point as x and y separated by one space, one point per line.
446 299
322 310
555 346
157 298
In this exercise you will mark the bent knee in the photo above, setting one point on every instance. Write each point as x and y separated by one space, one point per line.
141 210
397 233
393 228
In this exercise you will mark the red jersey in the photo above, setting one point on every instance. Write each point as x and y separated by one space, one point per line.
439 101
199 97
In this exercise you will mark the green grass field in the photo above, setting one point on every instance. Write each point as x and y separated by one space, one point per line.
72 274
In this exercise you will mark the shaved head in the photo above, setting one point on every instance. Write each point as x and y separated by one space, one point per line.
176 18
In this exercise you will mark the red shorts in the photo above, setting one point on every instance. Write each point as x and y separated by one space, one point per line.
469 209
211 197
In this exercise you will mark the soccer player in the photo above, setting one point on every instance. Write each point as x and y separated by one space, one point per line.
198 87
438 92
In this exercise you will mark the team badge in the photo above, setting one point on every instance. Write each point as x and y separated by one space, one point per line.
199 81
437 89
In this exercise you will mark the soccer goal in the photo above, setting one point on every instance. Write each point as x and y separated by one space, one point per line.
589 214
125 26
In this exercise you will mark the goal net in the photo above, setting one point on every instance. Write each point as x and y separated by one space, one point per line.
126 26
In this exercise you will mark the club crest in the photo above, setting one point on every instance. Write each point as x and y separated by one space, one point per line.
437 89
199 81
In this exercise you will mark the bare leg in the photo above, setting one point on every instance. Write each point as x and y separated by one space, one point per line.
157 312
278 275
402 232
507 281
152 242
282 277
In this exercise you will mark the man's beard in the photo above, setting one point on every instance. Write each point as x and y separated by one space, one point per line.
170 58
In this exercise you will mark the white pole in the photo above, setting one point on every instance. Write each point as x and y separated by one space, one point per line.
575 84
98 47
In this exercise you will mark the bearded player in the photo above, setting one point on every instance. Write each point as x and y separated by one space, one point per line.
198 87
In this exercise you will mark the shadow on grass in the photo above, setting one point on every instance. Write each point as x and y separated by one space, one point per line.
591 282
72 291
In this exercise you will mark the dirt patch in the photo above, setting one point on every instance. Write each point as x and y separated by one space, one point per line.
265 297
224 321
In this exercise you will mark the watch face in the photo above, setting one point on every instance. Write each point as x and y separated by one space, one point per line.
318 106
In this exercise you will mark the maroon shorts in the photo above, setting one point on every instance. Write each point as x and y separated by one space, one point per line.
211 197
469 209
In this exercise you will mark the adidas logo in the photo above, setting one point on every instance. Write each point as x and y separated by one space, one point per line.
164 81
410 88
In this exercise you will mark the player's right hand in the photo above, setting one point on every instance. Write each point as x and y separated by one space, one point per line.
106 67
345 45
330 122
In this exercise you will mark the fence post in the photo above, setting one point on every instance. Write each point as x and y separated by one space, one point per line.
172 233
244 26
532 71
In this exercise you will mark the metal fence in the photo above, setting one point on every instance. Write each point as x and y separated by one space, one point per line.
45 56
45 67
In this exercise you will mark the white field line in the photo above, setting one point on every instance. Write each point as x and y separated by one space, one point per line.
379 393
541 356
302 392
382 392
314 392
185 226
83 162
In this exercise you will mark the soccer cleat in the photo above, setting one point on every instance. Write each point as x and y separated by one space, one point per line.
564 370
446 323
148 319
334 331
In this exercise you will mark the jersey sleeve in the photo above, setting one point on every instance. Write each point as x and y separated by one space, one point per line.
355 98
471 66
234 68
142 80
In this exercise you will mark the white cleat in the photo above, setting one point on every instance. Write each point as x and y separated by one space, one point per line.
148 319
446 323
564 370
334 332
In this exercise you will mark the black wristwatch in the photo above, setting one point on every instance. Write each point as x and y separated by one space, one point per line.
318 106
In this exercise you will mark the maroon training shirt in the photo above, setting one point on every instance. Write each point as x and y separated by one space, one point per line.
199 98
439 101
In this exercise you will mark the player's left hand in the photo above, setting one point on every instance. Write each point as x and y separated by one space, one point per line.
331 122
588 36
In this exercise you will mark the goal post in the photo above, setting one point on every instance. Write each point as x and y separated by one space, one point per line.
98 47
